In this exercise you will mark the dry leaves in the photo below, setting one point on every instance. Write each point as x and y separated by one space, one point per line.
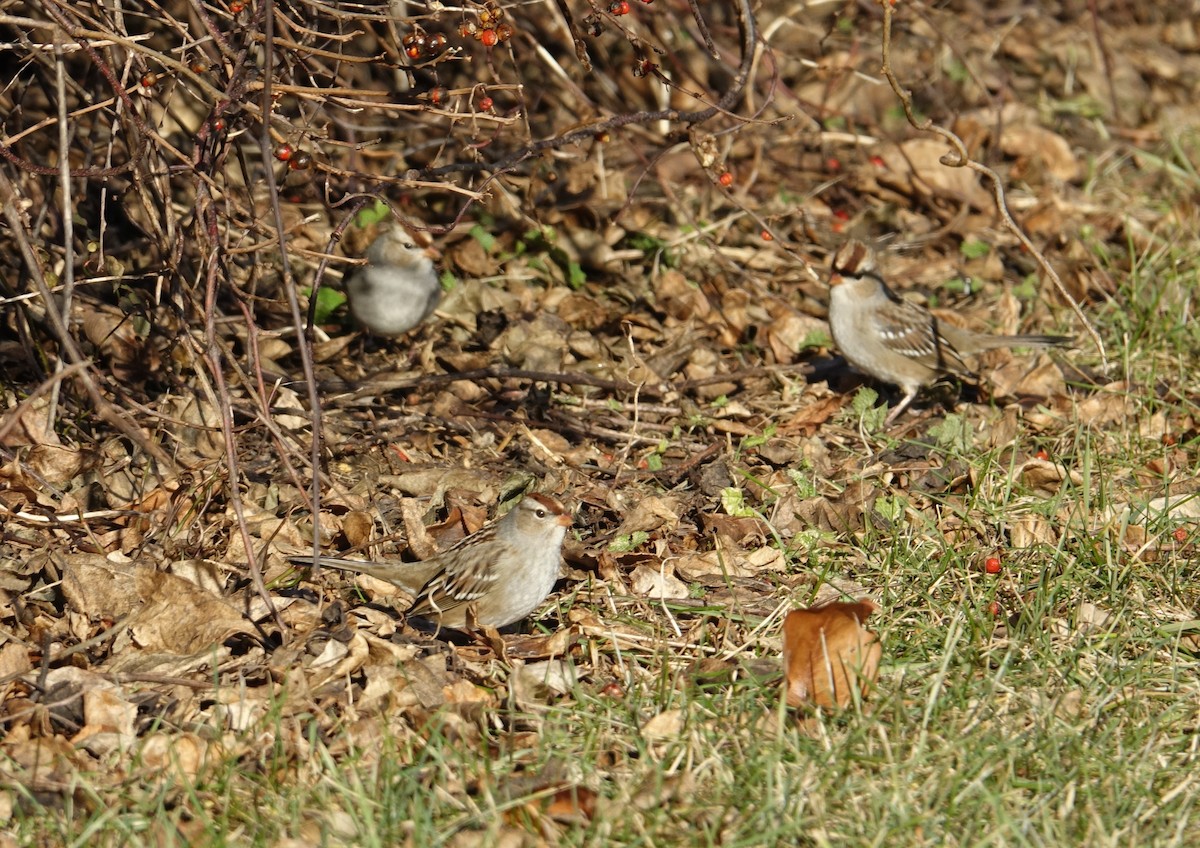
828 655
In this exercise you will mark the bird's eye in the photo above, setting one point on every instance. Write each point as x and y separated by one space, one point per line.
408 245
541 513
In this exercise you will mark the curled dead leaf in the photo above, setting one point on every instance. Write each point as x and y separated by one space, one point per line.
359 527
178 758
827 654
665 725
1045 477
650 514
1029 142
649 582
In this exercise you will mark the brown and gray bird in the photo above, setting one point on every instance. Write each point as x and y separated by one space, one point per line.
502 573
397 289
895 340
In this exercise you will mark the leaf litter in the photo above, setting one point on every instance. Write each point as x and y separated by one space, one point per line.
670 374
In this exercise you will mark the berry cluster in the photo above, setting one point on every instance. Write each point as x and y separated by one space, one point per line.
297 160
593 25
490 30
422 47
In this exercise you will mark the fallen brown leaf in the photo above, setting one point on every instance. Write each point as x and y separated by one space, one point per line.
827 653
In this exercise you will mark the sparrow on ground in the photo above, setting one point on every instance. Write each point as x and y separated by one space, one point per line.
898 341
397 289
500 574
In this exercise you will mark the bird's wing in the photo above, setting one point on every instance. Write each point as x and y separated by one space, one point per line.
463 580
913 332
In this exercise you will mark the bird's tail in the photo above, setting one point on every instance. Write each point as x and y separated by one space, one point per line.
1026 341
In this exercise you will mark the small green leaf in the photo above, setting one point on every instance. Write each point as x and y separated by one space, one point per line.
863 409
891 508
486 240
815 339
630 542
952 432
733 501
957 71
328 301
576 276
1027 289
654 462
369 215
805 487
540 235
974 249
864 400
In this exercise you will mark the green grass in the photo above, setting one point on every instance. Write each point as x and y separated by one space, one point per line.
1066 716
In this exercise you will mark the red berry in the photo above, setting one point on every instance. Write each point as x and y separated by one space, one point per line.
1180 535
833 164
284 152
994 609
765 234
236 6
467 29
613 689
438 95
413 52
726 179
619 7
878 162
489 37
219 125
1042 455
485 103
841 214
300 162
992 565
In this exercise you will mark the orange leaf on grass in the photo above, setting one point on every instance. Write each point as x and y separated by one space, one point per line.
827 653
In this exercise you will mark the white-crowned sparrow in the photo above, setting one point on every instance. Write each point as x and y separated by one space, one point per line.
398 287
502 573
896 340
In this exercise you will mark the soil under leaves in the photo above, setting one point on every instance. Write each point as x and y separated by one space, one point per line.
625 327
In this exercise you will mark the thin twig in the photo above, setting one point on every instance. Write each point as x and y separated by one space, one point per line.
960 159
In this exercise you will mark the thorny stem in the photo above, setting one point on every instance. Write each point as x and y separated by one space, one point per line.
749 33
